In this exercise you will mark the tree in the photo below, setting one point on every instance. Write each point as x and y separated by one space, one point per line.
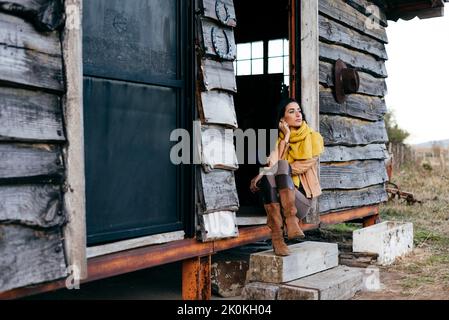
395 134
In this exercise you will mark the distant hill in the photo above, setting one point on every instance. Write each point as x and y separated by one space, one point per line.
442 143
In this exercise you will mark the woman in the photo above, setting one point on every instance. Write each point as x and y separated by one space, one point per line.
291 176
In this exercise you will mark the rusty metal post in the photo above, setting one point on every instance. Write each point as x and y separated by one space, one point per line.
196 278
371 220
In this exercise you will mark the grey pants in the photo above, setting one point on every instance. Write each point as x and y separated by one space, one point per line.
280 178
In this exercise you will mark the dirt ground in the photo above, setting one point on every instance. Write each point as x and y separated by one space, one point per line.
424 274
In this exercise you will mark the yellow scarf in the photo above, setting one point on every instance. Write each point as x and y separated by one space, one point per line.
305 143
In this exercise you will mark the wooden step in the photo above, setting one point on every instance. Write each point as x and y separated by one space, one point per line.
340 283
305 259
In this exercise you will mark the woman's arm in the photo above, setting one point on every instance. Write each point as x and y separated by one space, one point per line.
301 166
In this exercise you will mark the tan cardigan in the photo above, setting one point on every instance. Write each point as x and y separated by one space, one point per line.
306 169
308 174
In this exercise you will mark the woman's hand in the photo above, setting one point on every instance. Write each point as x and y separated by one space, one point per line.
253 187
284 127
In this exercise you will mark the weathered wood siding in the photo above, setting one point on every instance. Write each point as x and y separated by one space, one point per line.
216 189
353 166
32 137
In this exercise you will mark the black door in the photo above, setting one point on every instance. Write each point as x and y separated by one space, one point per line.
134 95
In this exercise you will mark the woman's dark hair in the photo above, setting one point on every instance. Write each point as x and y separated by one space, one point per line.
281 110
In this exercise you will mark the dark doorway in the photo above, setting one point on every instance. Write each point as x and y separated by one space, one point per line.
263 73
136 86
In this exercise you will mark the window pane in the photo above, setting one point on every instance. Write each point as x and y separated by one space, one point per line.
287 80
244 68
275 48
276 65
286 48
286 65
257 50
257 66
243 51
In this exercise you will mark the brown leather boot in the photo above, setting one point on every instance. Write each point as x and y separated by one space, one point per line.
275 223
289 210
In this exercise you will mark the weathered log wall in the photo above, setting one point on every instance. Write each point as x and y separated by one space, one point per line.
353 166
32 137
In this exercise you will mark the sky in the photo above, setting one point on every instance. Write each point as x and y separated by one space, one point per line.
418 77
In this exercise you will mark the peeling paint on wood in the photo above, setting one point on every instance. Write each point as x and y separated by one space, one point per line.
218 191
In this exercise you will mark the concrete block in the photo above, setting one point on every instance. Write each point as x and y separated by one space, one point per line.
260 291
305 259
340 283
389 240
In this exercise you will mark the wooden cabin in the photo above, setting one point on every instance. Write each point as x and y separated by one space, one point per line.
90 92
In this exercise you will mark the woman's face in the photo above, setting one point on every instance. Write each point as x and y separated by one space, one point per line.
293 115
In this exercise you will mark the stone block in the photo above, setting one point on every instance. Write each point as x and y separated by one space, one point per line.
305 259
389 240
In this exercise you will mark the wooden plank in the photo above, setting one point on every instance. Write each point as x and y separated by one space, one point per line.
29 256
75 197
218 41
226 11
218 225
124 245
217 191
31 68
359 106
369 84
45 15
335 33
217 107
370 9
30 115
353 175
30 161
310 62
342 153
337 130
196 278
218 75
350 17
32 205
217 149
360 61
309 74
20 34
337 200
